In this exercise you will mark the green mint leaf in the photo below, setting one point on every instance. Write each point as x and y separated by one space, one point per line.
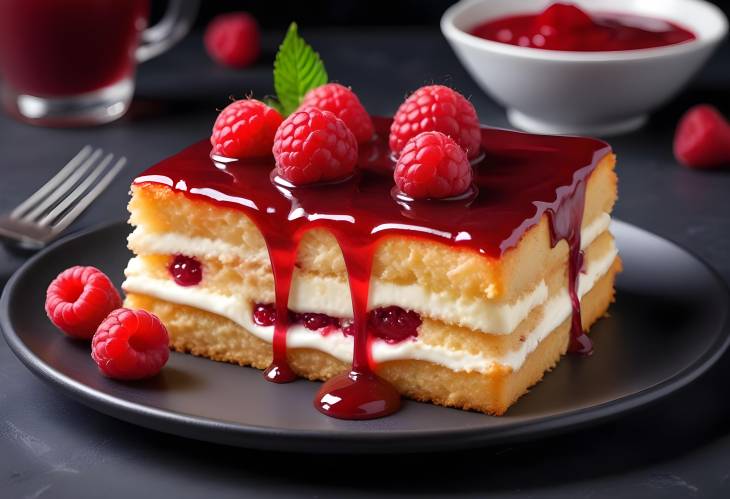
297 70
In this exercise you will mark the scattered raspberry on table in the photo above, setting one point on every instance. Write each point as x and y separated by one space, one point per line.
313 145
130 344
702 139
344 103
245 128
432 165
79 299
440 109
233 39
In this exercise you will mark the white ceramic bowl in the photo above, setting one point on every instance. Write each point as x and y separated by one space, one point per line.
592 93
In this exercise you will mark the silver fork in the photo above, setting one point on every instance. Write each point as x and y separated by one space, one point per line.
51 209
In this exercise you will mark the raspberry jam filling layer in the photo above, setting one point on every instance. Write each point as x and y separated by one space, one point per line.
520 178
566 27
186 270
390 324
556 310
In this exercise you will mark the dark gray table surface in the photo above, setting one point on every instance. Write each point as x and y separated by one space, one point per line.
51 446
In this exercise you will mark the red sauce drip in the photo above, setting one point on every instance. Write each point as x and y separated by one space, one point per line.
359 394
521 177
565 224
282 253
566 27
186 270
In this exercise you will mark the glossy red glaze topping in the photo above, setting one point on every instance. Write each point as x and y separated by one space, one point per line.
520 178
186 270
566 27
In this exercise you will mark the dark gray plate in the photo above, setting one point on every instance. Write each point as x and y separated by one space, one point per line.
666 328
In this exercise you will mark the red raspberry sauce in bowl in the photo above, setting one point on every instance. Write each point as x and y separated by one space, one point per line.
566 27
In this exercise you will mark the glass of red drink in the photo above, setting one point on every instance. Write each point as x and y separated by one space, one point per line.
72 62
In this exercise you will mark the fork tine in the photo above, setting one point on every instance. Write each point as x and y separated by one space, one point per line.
62 189
77 192
52 183
90 196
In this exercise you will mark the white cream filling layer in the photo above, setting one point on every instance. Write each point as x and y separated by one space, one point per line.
556 310
331 296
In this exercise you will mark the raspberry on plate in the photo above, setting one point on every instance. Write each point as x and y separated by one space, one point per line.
343 102
233 39
79 299
245 129
313 145
432 165
702 139
440 109
130 344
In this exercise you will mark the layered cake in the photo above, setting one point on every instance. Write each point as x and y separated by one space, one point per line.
464 302
424 255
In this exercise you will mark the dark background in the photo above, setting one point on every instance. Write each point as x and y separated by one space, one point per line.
278 14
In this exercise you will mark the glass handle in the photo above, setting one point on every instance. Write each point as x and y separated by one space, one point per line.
173 26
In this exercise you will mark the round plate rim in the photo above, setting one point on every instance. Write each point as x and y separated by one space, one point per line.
367 440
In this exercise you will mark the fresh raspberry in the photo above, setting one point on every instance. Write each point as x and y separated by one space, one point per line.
343 102
245 128
440 109
702 139
313 145
130 344
432 165
79 299
233 39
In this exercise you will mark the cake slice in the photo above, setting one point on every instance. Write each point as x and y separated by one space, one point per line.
469 302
